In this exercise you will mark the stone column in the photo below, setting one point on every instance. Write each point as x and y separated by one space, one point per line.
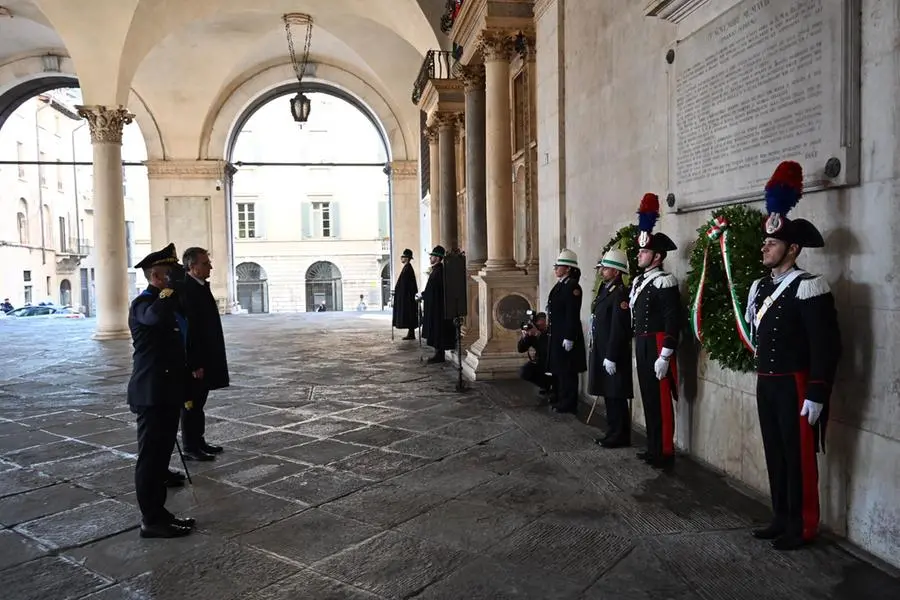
498 149
110 254
447 141
476 215
189 206
405 210
434 171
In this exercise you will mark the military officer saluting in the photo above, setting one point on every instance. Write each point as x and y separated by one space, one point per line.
798 345
656 314
566 352
610 353
157 389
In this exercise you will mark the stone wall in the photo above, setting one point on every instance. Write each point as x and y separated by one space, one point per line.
614 103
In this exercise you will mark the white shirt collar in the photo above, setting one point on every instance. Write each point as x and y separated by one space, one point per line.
197 279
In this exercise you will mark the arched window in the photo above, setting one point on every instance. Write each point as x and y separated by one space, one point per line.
252 287
323 286
65 292
22 221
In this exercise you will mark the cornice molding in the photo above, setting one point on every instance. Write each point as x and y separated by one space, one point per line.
404 169
674 11
185 169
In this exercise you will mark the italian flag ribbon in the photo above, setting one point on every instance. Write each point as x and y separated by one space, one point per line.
719 231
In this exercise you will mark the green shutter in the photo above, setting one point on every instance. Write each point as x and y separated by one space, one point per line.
383 223
335 220
307 220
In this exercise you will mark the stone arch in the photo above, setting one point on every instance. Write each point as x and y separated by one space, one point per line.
324 284
225 115
25 78
252 287
65 293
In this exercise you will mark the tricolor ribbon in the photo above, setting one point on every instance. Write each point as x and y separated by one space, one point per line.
719 231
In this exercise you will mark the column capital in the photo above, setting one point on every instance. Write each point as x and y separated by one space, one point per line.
188 169
525 44
431 132
447 119
472 76
105 122
497 45
404 169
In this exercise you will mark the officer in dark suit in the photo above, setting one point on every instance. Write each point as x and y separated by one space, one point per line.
206 354
437 330
406 309
157 388
609 372
534 337
798 346
567 352
656 315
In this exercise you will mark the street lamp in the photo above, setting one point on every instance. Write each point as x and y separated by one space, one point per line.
300 104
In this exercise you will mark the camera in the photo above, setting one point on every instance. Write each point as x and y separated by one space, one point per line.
528 324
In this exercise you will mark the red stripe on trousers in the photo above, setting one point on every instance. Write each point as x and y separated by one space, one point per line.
665 400
809 504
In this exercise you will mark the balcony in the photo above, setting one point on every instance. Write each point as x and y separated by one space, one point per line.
75 247
438 64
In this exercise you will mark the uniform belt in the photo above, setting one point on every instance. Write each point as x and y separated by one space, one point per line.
649 334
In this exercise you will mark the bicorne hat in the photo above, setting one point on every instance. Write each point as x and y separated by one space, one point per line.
438 251
166 256
783 192
407 253
648 213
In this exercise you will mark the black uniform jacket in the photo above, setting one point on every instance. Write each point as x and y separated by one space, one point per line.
406 310
159 374
611 339
564 314
206 341
540 345
799 333
657 307
438 332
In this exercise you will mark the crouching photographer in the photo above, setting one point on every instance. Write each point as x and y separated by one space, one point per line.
535 342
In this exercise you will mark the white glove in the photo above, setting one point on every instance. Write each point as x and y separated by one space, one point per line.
610 366
661 366
568 345
811 410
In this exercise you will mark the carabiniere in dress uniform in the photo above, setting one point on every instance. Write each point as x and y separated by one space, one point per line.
798 346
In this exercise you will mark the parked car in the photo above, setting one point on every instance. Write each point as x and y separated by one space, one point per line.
47 312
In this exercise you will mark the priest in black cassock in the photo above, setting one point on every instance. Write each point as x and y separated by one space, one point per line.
406 310
437 330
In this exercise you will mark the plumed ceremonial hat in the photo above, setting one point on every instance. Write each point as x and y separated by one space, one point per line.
648 214
783 192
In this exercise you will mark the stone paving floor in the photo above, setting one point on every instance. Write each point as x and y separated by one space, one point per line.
354 471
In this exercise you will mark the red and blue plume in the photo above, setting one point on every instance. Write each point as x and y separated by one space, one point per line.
785 188
648 212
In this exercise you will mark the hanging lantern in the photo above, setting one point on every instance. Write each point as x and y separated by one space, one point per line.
300 104
300 107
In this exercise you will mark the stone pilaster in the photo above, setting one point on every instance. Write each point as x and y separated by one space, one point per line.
405 209
447 126
190 206
106 124
434 171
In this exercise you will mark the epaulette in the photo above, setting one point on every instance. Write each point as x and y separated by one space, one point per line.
812 286
664 281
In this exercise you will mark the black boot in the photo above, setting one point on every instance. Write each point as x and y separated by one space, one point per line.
768 533
411 335
437 358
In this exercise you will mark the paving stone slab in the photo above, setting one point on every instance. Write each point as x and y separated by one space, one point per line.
322 452
577 553
127 555
188 500
42 502
238 410
420 421
473 429
221 431
115 482
231 455
26 439
464 526
392 565
86 427
312 585
54 451
309 536
270 442
379 464
57 419
515 493
256 471
374 435
484 579
10 428
113 438
386 504
16 481
414 402
240 512
315 486
324 427
443 479
85 465
280 418
82 524
492 458
430 446
49 577
16 549
373 414
642 571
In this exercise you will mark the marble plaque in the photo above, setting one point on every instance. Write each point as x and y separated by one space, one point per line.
766 81
188 222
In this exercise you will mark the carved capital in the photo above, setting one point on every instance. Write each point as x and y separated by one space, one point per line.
431 132
497 45
447 120
472 76
106 122
404 169
188 169
525 46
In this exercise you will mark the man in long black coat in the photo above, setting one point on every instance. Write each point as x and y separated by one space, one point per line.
609 362
206 354
437 330
567 352
406 309
157 389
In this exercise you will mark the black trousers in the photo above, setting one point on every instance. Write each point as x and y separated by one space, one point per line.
566 390
193 420
535 373
656 396
790 448
618 419
157 427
